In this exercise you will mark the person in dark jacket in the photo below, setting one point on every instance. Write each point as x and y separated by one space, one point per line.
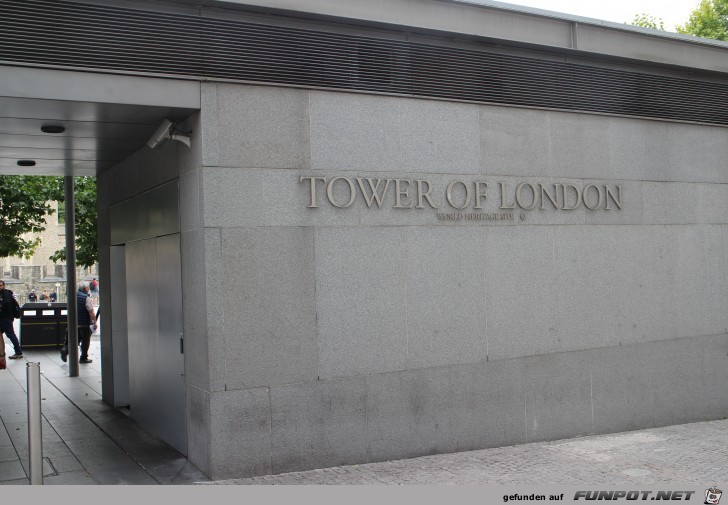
86 323
32 297
7 306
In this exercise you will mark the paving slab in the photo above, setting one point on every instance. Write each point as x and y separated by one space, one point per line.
689 453
85 441
115 450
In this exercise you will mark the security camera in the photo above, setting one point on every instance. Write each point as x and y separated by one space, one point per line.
161 134
167 130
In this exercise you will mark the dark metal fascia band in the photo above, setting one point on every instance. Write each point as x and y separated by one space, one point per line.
76 35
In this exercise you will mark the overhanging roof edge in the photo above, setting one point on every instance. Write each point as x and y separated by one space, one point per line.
56 84
510 23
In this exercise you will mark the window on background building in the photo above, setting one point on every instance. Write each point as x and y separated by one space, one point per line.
61 213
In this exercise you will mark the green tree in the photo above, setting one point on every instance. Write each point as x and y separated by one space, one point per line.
23 209
648 21
709 20
87 249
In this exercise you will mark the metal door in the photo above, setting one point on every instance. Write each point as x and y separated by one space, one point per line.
154 321
170 360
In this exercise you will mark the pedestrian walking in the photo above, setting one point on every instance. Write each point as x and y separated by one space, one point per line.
86 323
94 290
9 309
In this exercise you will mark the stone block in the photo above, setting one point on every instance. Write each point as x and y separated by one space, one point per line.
643 269
558 396
373 132
190 200
354 132
198 427
586 288
216 314
194 288
446 295
621 389
724 234
190 158
712 203
696 153
262 126
240 433
714 365
520 275
439 137
670 202
640 149
209 136
318 424
261 197
678 382
614 285
488 404
580 145
269 306
231 197
698 294
361 300
409 414
514 142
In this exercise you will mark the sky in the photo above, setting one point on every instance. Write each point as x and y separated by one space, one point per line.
672 12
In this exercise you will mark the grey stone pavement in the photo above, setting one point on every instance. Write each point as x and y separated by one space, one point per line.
86 441
689 453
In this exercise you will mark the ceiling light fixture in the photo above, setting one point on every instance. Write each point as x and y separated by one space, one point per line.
26 163
52 128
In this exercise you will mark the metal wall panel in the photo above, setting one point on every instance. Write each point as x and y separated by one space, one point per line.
143 327
170 360
120 334
154 315
150 214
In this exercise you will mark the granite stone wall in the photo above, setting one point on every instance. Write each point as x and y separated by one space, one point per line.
325 335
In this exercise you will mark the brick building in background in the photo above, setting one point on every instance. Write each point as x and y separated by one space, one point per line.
39 272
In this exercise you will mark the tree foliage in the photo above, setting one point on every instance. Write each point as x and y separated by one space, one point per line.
87 249
648 21
709 20
24 207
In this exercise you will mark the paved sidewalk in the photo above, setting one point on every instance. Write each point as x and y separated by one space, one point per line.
85 441
690 453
